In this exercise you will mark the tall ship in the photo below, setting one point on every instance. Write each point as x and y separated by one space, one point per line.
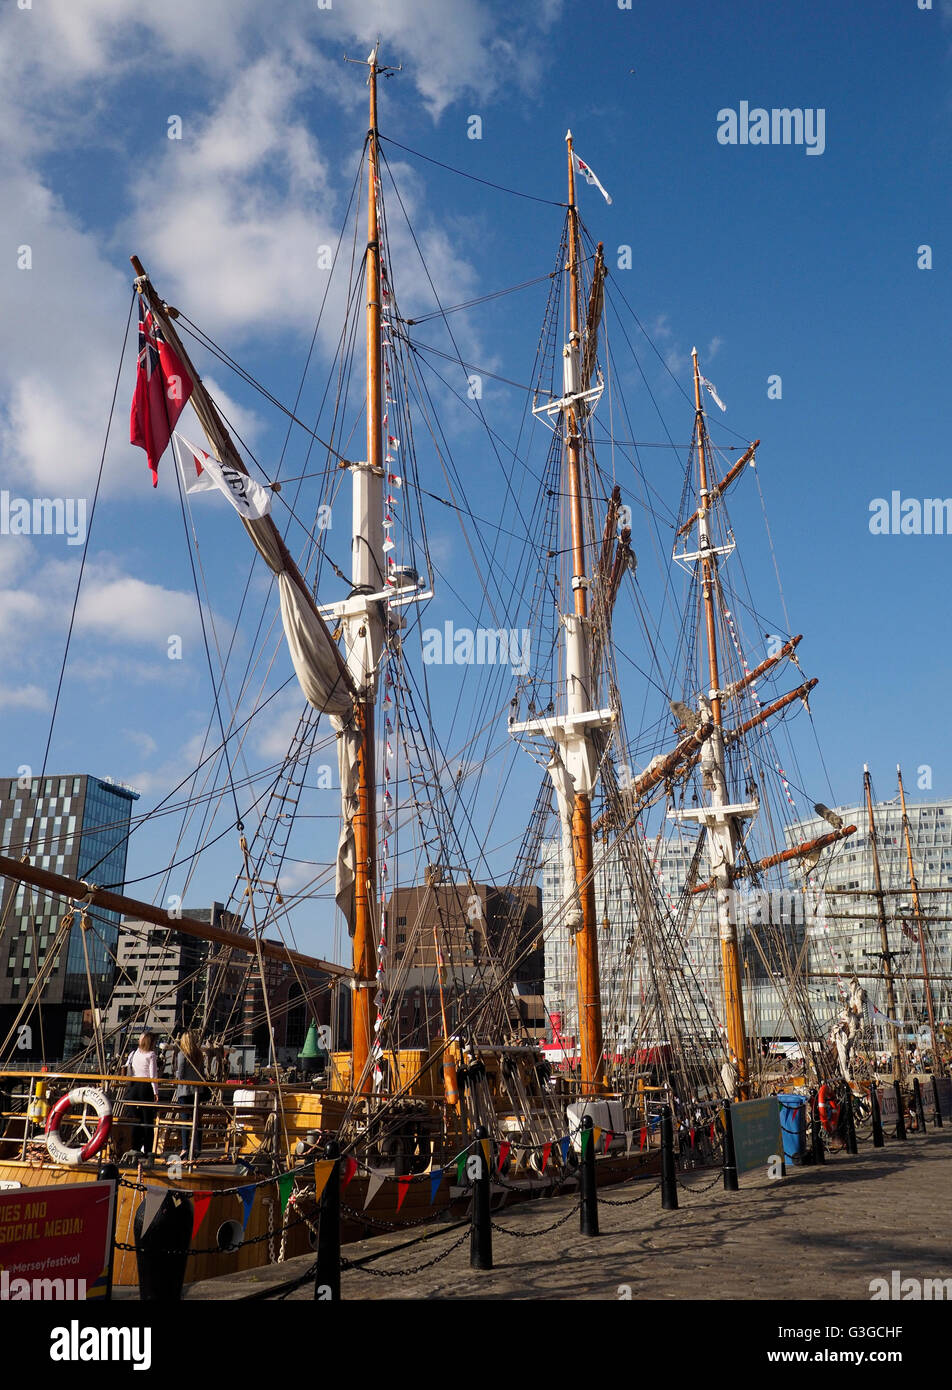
438 1022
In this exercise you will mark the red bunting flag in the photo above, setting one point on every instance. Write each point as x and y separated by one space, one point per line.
504 1150
545 1156
201 1201
162 388
608 1139
644 1139
350 1168
404 1186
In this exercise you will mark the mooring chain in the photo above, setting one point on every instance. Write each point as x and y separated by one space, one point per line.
629 1201
536 1231
402 1273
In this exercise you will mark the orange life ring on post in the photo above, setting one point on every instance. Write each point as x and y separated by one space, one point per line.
829 1108
82 1095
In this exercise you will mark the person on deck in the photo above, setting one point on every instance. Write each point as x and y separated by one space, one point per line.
189 1067
141 1066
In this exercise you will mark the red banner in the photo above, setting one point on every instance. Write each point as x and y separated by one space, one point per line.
54 1241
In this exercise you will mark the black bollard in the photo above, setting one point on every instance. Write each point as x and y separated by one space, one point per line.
878 1140
588 1212
730 1157
816 1138
108 1172
851 1145
327 1269
936 1106
669 1181
900 1111
162 1250
481 1235
918 1106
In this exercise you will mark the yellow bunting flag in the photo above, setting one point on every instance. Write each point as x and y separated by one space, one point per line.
322 1173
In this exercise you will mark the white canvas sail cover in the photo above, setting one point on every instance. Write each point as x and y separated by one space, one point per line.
348 748
565 797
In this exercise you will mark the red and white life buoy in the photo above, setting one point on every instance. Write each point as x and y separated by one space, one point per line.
82 1095
828 1107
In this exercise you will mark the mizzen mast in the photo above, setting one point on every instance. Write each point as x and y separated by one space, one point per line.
885 954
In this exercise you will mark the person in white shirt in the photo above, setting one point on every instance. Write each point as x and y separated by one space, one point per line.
142 1066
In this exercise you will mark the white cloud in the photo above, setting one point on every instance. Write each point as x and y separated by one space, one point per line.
128 609
23 697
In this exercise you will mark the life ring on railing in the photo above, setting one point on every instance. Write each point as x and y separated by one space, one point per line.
828 1107
82 1095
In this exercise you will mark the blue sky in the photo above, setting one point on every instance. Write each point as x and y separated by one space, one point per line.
772 261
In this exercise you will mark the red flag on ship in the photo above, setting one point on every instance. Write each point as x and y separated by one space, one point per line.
162 388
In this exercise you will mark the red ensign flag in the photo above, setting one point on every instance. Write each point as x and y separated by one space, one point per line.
162 388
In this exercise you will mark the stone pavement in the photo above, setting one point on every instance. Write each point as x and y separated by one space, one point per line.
820 1233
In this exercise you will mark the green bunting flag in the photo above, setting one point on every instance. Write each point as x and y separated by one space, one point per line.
285 1184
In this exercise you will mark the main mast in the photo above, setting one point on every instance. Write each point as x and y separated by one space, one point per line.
720 818
885 955
579 691
937 1064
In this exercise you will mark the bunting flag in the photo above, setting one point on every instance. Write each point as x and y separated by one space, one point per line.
247 1195
629 1137
589 176
374 1184
203 473
435 1181
504 1151
152 1200
608 1139
586 1135
162 389
348 1170
404 1185
486 1146
201 1202
322 1173
460 1169
545 1156
564 1149
644 1139
285 1183
596 1135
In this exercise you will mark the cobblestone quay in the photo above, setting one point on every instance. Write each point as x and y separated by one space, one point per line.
820 1233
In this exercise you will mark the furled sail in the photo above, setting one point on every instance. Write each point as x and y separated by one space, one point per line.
565 796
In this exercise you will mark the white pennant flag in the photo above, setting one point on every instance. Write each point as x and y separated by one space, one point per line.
202 473
713 390
374 1184
877 1013
589 176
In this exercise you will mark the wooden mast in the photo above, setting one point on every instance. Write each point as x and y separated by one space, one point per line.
723 830
937 1064
579 686
885 954
368 577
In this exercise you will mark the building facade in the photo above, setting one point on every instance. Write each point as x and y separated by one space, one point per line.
77 825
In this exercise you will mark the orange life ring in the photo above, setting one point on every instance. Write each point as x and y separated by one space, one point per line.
828 1107
82 1095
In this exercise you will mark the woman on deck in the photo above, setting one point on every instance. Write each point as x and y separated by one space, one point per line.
141 1065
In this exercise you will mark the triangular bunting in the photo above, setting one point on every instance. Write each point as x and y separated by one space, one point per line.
153 1199
348 1170
460 1169
201 1201
374 1184
608 1139
504 1149
436 1179
545 1156
629 1136
596 1135
247 1195
322 1173
487 1152
404 1186
564 1149
586 1137
644 1139
285 1183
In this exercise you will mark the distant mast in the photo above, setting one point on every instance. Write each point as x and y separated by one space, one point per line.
938 1065
885 954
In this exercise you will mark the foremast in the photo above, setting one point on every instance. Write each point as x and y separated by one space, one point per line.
363 625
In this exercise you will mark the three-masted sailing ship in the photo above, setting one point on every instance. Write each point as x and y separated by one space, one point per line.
404 1100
